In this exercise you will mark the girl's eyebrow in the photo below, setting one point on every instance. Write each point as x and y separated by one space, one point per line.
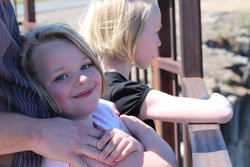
84 58
58 69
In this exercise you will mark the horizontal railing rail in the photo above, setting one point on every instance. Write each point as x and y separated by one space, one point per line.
207 143
204 141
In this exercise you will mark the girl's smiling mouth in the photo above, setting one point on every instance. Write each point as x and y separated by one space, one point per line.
84 93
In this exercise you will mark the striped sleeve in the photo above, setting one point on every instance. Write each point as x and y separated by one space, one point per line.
16 94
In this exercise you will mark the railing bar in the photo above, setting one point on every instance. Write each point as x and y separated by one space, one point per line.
145 72
165 84
137 75
206 139
208 145
190 26
30 14
170 65
187 150
173 28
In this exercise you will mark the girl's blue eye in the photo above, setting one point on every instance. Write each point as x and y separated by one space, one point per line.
86 66
61 77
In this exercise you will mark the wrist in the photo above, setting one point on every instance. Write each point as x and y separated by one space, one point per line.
35 134
17 132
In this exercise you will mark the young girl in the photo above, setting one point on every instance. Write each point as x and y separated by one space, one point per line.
67 75
125 33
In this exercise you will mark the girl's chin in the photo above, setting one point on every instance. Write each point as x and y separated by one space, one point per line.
144 67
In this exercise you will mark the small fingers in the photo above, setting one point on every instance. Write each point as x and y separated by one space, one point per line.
128 149
104 139
121 147
111 150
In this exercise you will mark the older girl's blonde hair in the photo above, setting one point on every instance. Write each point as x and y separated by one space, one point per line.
112 27
46 34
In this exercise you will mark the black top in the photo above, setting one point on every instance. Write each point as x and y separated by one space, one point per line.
127 95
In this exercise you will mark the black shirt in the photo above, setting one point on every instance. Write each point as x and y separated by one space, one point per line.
127 95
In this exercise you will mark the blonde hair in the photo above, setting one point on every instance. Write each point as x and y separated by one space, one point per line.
112 27
46 34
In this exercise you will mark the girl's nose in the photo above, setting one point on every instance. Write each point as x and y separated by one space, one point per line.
81 80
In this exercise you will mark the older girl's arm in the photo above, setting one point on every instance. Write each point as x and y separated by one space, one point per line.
161 106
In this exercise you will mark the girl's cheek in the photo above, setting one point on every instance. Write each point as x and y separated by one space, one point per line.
96 76
59 94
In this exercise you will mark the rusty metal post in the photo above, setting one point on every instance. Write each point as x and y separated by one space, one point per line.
29 14
163 80
190 27
191 54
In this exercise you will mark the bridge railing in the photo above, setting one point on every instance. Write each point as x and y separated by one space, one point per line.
203 144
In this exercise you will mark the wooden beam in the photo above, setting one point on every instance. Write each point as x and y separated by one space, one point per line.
190 27
162 79
208 146
170 65
207 142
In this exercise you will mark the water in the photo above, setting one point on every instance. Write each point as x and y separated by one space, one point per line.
52 5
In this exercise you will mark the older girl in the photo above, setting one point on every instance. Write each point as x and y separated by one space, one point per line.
124 33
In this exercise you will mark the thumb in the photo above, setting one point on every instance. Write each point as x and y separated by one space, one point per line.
77 162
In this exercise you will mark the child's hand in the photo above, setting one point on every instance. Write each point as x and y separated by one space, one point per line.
116 145
225 108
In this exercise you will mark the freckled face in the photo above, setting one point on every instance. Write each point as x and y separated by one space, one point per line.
69 76
149 41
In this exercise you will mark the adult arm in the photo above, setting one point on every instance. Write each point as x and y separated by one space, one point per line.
54 138
161 106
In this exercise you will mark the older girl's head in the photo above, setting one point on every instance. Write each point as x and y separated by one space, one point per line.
113 27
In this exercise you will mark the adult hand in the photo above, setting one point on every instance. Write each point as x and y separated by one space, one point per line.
65 140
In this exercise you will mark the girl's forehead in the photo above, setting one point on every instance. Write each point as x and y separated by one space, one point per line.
154 19
156 12
52 48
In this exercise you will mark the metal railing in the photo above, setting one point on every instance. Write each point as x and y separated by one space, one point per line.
204 145
29 21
